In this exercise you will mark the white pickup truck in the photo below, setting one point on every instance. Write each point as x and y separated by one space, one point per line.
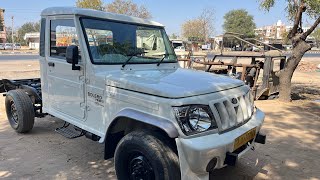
115 79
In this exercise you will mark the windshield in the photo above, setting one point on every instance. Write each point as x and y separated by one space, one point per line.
114 42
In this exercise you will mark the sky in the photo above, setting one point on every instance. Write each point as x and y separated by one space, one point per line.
171 13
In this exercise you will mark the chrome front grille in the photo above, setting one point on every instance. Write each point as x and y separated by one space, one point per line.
232 111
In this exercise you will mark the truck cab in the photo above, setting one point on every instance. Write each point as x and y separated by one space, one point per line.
116 80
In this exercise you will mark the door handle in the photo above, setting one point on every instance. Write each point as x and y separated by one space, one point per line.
51 64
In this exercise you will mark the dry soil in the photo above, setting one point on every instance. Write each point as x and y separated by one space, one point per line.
292 149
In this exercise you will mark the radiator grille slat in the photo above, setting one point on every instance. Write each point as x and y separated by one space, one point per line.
223 114
232 110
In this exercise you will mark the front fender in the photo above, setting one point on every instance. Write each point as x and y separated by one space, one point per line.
111 140
159 122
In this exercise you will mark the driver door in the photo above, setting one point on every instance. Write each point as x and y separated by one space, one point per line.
66 86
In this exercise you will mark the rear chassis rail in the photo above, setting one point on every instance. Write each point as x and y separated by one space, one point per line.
31 86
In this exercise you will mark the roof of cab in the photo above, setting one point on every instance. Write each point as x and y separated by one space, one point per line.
52 11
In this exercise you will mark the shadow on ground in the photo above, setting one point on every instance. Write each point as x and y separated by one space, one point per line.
291 151
44 154
303 92
293 144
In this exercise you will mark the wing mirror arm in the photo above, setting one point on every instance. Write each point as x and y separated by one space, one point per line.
72 56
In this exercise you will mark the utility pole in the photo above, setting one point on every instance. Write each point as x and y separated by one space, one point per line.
12 34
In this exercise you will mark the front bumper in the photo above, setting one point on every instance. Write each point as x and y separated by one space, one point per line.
196 153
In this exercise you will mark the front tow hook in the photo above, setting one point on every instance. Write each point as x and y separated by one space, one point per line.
260 138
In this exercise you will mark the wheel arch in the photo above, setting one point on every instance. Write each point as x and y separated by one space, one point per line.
129 120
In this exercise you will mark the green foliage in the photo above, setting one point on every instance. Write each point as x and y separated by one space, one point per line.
239 21
8 34
127 7
28 27
312 7
284 36
316 35
90 4
267 4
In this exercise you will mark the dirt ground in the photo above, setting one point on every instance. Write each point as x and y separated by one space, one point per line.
292 149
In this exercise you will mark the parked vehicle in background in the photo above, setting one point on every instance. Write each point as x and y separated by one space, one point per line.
273 47
287 47
176 43
205 47
17 46
256 49
180 48
8 46
1 46
115 79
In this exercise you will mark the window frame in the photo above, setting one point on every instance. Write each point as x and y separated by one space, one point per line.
50 36
42 49
121 22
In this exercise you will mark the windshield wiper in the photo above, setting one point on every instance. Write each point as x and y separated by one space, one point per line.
165 55
125 63
131 56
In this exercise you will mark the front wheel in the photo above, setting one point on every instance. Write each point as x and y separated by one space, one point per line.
20 111
142 155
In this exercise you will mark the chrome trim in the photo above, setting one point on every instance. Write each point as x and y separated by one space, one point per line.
230 115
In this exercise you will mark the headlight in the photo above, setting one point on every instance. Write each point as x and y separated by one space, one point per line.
195 118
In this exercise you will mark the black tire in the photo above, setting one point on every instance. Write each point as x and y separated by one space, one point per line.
146 152
20 111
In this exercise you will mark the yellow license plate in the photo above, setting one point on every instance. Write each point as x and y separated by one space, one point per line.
244 138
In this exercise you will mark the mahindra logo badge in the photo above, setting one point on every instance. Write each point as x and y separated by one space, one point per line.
234 101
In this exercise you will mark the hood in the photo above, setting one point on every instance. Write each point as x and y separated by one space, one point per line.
171 83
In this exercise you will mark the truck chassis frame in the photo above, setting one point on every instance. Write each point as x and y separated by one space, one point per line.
31 86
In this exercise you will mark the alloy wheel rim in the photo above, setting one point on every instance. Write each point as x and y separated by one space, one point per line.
14 112
140 168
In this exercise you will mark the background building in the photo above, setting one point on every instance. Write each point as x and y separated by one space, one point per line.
274 33
33 40
271 34
2 28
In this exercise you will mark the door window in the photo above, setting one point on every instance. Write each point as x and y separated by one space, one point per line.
63 34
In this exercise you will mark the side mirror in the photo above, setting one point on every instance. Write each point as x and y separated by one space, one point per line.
72 56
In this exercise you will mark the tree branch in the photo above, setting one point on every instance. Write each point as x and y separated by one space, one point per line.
311 29
297 20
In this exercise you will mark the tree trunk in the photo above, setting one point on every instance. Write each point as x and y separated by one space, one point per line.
299 49
285 86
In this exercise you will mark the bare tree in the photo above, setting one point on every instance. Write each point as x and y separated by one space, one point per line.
191 29
207 18
127 7
90 4
201 27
